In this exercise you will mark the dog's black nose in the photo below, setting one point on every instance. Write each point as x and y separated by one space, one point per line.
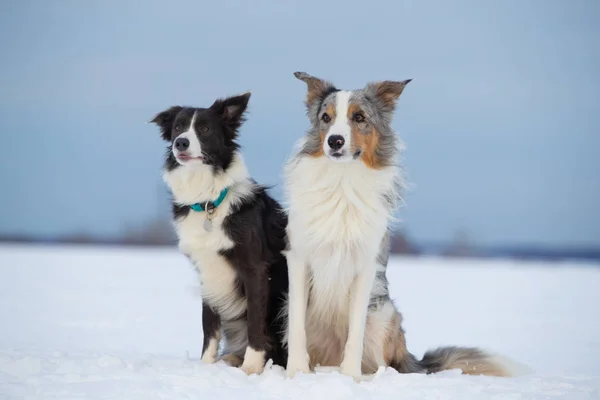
182 144
335 142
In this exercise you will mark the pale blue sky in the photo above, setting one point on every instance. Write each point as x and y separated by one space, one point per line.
501 121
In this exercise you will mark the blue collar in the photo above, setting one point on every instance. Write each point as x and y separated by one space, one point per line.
210 205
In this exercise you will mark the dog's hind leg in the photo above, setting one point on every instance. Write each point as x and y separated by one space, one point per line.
396 354
360 294
257 294
211 325
377 345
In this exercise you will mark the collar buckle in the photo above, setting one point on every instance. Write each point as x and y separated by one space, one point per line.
210 207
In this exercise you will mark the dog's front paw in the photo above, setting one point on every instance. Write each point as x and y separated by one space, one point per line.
254 361
297 364
292 370
250 369
352 369
209 358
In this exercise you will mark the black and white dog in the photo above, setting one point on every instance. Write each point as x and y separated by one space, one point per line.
231 230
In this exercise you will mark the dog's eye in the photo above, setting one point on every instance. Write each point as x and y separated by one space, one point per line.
177 128
358 117
326 118
204 129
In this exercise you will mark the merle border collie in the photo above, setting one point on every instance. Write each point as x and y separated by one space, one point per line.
342 187
232 231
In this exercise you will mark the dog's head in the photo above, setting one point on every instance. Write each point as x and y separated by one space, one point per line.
200 137
352 125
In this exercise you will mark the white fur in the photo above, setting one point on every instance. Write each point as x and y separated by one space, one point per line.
337 219
359 303
298 357
254 361
210 355
194 183
197 182
340 127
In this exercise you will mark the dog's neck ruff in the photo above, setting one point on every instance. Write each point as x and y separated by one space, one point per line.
198 185
210 206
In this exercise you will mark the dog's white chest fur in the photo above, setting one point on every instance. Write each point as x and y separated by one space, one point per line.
337 218
218 278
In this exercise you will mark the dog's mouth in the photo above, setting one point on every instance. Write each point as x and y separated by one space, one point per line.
342 155
186 158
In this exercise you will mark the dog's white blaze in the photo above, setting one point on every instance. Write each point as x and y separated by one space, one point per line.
337 219
210 355
340 125
195 149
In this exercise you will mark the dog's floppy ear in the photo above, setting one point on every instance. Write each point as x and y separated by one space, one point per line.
317 88
232 109
165 119
387 92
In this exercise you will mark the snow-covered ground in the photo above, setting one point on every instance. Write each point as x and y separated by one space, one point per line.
91 323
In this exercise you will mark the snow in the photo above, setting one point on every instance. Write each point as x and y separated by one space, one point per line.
99 323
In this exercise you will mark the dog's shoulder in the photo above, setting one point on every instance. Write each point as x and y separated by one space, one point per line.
257 219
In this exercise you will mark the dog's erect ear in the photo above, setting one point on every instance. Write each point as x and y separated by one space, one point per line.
232 109
317 88
387 92
165 119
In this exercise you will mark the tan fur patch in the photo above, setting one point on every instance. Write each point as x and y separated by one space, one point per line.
330 110
319 151
394 347
370 147
365 141
232 360
488 369
316 88
352 108
389 91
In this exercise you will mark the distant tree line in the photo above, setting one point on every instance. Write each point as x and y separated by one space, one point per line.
160 232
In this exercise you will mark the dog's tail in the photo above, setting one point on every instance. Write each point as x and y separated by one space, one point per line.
471 361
